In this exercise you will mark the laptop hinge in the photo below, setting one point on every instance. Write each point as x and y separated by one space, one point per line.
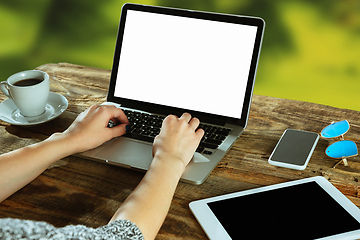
212 121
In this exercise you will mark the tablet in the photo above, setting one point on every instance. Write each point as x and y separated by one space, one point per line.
309 208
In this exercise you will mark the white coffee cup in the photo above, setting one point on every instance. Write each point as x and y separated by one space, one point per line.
29 90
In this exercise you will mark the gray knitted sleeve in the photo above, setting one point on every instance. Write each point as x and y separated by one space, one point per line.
27 229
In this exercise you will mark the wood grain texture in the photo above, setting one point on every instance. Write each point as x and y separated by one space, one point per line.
79 191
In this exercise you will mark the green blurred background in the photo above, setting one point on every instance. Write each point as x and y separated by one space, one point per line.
311 49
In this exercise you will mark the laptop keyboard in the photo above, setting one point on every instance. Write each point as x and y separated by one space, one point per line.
147 126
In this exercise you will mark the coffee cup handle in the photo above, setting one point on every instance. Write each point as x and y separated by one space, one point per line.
5 89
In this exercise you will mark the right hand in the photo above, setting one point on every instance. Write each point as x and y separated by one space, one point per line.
178 138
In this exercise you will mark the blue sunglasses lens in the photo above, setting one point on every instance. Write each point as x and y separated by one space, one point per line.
335 129
342 149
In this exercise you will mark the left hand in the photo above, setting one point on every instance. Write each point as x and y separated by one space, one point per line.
89 130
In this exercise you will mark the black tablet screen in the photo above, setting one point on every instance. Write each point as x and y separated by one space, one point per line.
304 211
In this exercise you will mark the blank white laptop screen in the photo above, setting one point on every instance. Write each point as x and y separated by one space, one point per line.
182 62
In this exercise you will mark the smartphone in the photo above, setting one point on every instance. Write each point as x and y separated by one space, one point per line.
294 149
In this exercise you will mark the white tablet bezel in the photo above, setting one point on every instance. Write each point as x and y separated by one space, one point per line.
214 229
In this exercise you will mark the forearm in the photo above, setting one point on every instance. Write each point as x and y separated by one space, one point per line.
19 167
148 205
88 131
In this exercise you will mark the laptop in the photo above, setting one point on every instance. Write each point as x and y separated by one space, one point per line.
171 61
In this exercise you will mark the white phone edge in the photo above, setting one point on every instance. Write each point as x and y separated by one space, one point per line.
289 165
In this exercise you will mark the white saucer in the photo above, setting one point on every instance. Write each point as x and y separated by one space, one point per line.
55 106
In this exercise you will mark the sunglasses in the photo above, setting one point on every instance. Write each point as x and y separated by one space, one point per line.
341 149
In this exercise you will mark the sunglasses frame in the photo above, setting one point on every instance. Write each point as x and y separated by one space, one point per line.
341 137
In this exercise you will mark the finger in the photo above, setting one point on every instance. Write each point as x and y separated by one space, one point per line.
117 131
170 118
120 115
186 116
194 123
117 113
200 133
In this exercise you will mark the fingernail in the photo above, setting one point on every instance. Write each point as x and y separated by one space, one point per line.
128 128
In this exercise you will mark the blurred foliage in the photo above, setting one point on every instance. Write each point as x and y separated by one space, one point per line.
310 49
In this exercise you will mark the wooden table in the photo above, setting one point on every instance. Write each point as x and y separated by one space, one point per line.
78 191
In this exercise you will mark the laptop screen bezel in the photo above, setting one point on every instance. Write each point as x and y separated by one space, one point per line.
165 110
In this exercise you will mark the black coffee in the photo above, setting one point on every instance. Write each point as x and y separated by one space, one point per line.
28 82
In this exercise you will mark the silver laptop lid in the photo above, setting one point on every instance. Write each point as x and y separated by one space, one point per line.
172 60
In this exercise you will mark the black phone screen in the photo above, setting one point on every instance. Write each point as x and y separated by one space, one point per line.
294 147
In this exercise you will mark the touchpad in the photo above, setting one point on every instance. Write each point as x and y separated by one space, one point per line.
128 152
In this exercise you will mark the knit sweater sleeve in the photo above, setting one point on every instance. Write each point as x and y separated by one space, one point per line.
27 229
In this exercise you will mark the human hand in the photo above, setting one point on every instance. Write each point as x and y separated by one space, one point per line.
178 138
89 130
